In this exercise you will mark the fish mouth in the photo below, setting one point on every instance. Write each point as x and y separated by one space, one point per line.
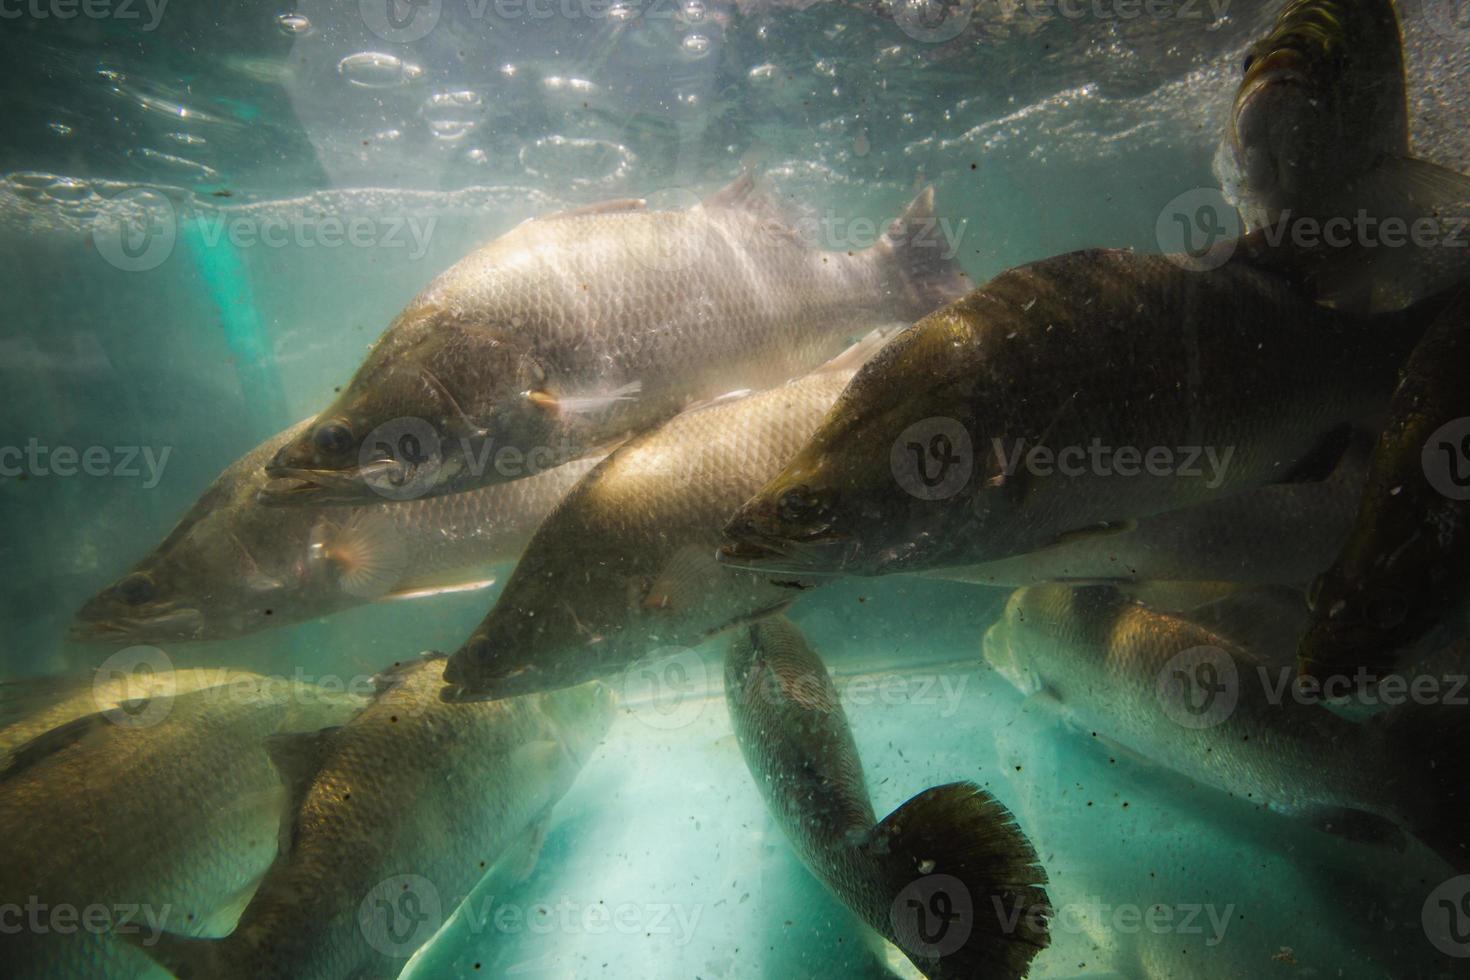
466 681
820 553
289 485
177 623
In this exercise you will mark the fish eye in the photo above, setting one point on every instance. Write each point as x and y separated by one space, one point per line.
135 589
1250 59
333 439
797 504
1385 610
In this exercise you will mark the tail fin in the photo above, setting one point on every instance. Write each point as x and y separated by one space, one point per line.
961 885
918 244
1426 748
186 957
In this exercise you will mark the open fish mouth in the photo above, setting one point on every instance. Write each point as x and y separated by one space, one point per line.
179 623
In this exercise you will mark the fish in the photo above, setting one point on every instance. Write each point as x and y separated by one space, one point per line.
575 329
625 564
160 816
1318 136
393 818
1066 399
1405 569
1283 534
30 707
1163 688
952 847
233 565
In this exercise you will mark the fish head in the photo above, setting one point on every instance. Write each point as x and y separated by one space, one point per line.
1321 99
425 414
582 716
1004 646
1356 624
144 606
886 482
527 645
228 568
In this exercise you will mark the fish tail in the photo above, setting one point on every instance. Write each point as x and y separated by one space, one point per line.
1430 774
960 887
918 245
186 957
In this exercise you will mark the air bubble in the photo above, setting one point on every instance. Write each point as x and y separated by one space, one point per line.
293 24
375 69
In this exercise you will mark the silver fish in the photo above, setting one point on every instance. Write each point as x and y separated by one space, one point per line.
1318 145
1069 398
956 838
1181 695
159 814
576 329
234 566
394 818
626 563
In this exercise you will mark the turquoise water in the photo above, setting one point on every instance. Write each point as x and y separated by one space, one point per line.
252 139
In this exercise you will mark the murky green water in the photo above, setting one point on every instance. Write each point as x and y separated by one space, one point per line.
209 215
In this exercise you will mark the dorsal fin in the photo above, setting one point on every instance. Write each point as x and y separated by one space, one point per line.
297 757
618 205
48 743
857 355
734 194
22 698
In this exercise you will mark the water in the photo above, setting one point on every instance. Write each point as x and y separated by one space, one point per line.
303 172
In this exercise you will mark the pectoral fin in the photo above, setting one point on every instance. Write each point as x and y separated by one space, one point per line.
686 579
